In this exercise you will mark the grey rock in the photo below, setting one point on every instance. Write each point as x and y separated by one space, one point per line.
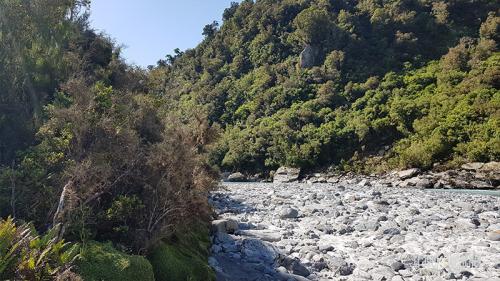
414 211
325 248
472 166
294 265
346 270
299 269
345 230
236 177
265 235
341 266
216 248
255 250
382 273
332 180
308 56
491 167
289 213
423 183
382 218
286 174
224 226
480 185
406 174
467 274
364 182
320 265
397 266
392 231
368 225
466 223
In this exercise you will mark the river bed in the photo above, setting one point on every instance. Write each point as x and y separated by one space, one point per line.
299 231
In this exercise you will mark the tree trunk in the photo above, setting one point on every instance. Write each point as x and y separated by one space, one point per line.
62 209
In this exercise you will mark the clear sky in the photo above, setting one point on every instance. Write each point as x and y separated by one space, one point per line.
151 29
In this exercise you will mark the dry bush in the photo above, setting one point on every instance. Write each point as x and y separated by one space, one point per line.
135 173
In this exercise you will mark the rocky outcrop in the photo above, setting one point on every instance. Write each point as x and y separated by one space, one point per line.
489 172
468 176
286 174
308 57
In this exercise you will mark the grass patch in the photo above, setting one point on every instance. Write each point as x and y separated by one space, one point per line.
101 261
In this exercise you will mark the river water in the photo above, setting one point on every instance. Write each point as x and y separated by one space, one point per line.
495 193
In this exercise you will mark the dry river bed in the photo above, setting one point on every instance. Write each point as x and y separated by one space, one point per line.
299 231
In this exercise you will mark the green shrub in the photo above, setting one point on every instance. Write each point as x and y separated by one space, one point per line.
101 261
183 257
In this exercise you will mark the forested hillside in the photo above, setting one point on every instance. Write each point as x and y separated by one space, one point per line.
314 83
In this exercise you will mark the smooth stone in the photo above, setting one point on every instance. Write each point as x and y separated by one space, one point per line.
406 174
397 266
286 174
341 266
494 235
299 269
255 250
364 182
289 213
392 231
265 235
236 177
382 273
472 166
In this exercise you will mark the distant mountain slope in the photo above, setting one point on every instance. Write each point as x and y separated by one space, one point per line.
315 83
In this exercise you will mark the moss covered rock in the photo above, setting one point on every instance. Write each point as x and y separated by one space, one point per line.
101 261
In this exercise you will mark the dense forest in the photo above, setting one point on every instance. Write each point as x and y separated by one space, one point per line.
315 84
118 160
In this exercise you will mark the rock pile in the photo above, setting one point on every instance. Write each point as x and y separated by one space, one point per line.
469 176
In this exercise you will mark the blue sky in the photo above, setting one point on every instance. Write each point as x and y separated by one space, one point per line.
151 29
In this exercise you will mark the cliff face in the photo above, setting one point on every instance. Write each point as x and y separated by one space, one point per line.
309 57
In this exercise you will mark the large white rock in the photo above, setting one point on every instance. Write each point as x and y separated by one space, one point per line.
286 174
264 235
237 177
406 174
472 166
